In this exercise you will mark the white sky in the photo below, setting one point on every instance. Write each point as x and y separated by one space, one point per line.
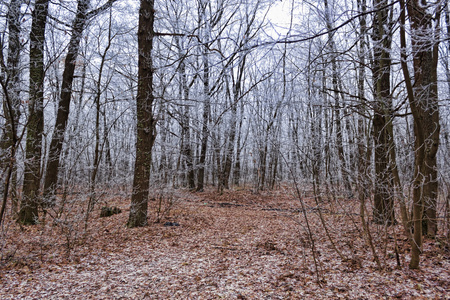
280 15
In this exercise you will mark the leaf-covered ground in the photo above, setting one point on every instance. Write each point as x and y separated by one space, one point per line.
239 245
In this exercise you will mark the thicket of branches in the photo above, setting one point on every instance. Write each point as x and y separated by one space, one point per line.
349 98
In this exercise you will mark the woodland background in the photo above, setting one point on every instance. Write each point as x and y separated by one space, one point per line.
336 110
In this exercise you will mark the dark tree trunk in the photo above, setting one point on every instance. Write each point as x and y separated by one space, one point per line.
423 100
237 164
32 174
51 174
205 121
229 150
10 82
383 212
263 161
146 123
206 25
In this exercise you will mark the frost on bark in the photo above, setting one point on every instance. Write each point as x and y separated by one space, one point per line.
10 84
337 93
146 131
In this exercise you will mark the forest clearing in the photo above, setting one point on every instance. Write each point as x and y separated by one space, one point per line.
238 245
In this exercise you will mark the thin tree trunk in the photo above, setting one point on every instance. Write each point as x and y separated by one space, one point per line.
229 148
52 170
206 109
97 150
316 132
107 150
187 159
163 169
62 116
337 109
398 188
364 152
262 164
229 152
237 165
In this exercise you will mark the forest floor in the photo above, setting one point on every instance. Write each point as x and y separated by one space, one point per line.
238 245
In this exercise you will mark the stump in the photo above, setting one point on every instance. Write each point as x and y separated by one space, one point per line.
109 211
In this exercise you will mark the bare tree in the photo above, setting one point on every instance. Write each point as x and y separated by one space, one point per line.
423 100
32 175
337 94
79 23
383 212
203 21
146 122
10 82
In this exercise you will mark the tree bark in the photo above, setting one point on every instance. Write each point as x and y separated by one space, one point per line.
423 100
146 123
28 213
206 107
10 82
237 165
52 170
383 212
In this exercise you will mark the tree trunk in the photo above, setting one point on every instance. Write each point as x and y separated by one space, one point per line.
364 152
97 149
423 100
337 109
206 108
164 164
383 212
10 82
447 60
187 159
229 148
51 177
315 127
32 174
237 165
146 123
229 151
